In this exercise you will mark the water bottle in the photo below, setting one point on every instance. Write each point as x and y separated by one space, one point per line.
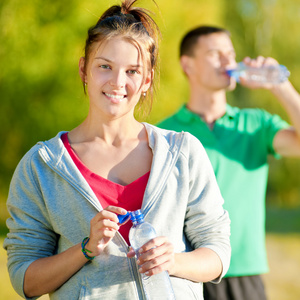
156 286
265 74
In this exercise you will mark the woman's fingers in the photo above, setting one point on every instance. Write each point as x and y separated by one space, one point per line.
156 256
131 253
110 212
103 228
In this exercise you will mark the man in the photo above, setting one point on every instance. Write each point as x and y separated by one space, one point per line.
237 142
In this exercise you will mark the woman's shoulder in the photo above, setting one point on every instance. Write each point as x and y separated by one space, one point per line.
33 155
157 133
184 140
165 132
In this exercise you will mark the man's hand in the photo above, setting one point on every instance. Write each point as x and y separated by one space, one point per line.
258 62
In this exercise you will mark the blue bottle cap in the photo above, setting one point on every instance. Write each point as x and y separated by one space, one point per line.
234 73
123 218
230 72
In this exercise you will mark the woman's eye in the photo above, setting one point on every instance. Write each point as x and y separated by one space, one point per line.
104 66
133 72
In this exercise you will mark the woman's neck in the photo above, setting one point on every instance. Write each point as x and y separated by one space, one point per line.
114 132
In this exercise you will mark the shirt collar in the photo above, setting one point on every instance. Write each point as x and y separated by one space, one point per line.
186 116
230 111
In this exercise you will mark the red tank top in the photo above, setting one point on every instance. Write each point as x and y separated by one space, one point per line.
129 196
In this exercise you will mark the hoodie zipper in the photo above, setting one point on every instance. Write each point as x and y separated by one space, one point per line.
146 208
138 277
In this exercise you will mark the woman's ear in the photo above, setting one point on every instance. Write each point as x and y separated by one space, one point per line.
82 69
148 80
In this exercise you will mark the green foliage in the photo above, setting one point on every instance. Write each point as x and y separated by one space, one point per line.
41 42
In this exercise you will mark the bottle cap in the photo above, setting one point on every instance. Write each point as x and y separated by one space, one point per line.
230 72
234 74
123 218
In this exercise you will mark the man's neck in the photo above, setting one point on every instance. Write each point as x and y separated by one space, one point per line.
209 105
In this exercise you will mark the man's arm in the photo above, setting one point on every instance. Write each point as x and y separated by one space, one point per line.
287 141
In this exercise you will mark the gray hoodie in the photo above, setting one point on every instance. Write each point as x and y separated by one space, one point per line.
51 206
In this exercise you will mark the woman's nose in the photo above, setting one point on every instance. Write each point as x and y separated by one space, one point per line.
118 79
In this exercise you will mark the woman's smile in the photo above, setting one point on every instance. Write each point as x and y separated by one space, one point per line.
115 98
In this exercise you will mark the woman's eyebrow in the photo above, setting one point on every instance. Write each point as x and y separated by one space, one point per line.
110 61
101 57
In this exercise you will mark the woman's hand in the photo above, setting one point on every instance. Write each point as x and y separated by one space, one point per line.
103 228
155 256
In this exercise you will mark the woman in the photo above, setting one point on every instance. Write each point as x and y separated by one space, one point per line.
66 193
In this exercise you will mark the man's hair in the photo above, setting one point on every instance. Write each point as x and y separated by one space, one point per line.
189 41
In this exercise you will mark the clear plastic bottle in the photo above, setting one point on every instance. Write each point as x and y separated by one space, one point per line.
156 286
265 74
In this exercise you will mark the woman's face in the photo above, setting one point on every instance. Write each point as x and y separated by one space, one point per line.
115 77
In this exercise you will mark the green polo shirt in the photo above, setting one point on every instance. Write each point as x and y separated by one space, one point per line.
238 146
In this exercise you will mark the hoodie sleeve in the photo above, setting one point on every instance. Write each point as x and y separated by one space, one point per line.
30 234
207 224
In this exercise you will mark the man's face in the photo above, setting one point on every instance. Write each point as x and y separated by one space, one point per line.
213 55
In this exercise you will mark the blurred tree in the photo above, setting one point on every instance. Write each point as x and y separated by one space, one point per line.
41 42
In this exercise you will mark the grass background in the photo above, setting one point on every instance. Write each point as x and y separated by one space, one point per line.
283 246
